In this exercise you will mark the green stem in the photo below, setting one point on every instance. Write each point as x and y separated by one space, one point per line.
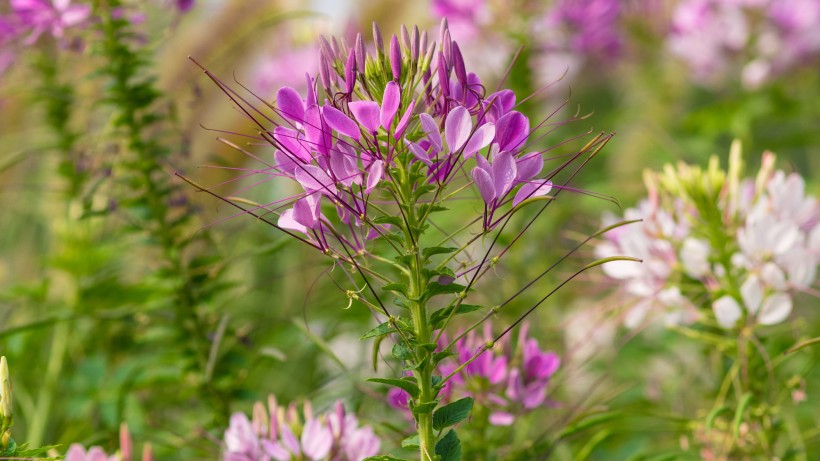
42 412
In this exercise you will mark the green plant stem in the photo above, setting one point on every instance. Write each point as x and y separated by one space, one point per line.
424 366
42 412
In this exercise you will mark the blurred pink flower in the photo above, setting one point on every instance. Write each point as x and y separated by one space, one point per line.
52 16
279 433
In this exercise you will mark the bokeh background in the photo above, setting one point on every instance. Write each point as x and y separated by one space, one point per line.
170 312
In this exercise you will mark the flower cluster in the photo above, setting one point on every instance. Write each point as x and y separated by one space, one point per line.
408 113
281 434
77 452
743 247
764 37
507 381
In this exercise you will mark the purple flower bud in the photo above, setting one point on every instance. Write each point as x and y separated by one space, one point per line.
395 57
447 47
405 37
324 74
443 76
458 64
325 47
334 45
414 44
350 72
423 43
360 53
377 39
443 31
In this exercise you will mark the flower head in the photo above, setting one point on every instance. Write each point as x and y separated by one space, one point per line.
49 16
708 231
279 433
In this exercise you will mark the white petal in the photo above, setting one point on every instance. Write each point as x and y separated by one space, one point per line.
727 311
752 293
775 309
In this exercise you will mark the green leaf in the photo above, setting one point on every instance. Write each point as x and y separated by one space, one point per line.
449 447
410 442
427 252
423 408
435 289
398 287
439 356
380 330
437 318
408 386
402 352
393 220
452 413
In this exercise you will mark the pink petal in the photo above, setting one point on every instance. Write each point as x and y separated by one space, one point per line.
535 188
340 122
290 142
290 104
504 172
286 221
405 120
512 131
313 178
316 439
457 128
76 452
419 153
317 133
430 127
284 163
374 175
484 183
529 166
499 418
482 137
390 104
366 113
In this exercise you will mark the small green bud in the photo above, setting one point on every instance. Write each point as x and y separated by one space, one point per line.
6 416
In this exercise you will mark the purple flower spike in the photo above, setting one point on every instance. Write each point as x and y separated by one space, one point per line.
390 104
340 122
395 58
367 113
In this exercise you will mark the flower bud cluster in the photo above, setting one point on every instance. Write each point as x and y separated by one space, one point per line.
283 434
743 247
